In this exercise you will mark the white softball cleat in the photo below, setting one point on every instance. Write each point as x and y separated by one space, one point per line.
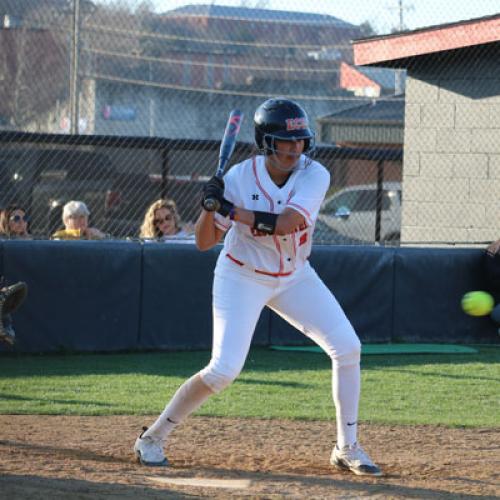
354 458
149 451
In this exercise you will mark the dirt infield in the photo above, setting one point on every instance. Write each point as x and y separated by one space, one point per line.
55 457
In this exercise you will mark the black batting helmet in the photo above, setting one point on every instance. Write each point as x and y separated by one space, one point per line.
281 118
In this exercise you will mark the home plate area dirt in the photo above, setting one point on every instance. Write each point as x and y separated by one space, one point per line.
61 457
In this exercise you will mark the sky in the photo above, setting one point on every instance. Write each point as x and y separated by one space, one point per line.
382 14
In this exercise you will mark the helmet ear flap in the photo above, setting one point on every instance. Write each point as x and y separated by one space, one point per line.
310 145
264 142
269 145
259 139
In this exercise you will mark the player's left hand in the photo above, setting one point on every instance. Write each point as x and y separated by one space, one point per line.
225 207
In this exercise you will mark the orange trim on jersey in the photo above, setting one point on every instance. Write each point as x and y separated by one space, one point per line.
271 208
221 226
236 261
259 185
294 241
274 275
278 247
301 208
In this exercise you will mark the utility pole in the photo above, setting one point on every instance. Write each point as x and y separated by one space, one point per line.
74 89
20 78
398 79
151 92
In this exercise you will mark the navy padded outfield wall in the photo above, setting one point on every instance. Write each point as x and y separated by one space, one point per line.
177 298
428 287
120 295
82 296
361 278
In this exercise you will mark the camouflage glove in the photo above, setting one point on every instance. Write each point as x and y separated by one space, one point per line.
11 298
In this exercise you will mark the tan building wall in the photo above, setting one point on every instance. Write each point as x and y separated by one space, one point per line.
451 166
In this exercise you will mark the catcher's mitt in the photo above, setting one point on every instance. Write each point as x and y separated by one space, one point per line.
11 298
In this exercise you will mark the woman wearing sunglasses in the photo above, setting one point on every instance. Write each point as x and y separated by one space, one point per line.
14 223
162 222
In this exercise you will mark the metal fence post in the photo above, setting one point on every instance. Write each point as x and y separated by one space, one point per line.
74 79
380 196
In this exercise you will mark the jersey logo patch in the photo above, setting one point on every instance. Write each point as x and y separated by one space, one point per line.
303 239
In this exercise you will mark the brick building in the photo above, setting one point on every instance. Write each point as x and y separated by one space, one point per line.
178 73
244 46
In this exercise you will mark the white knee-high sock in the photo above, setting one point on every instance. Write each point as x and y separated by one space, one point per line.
346 383
188 398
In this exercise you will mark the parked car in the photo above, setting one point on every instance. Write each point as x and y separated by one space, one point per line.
351 212
325 235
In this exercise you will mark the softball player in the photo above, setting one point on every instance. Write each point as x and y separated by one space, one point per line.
268 207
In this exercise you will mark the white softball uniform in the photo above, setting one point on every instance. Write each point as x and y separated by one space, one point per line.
255 270
248 185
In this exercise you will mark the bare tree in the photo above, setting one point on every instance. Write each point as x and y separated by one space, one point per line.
366 29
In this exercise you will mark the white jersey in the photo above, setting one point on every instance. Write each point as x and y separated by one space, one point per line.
248 185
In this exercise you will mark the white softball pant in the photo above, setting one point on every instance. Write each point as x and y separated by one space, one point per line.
302 299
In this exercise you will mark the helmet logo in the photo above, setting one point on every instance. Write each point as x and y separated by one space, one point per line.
296 123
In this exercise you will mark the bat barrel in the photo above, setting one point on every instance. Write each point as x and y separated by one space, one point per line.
226 150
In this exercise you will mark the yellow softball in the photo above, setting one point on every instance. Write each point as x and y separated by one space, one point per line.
477 303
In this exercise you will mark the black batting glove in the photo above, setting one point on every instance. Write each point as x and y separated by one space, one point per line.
225 207
214 184
213 189
211 193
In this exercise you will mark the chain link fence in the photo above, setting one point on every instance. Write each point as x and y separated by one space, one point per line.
118 104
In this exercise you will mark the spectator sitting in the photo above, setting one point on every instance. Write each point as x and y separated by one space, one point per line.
162 222
75 217
14 223
493 265
492 268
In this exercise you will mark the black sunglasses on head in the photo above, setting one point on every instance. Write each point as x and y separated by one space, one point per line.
19 218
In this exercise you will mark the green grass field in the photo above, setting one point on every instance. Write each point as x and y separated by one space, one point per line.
453 390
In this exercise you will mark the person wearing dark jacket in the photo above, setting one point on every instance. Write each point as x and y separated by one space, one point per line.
492 271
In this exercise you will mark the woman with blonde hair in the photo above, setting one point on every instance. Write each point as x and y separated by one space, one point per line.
162 222
14 223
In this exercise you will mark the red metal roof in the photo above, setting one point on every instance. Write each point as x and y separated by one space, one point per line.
386 48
